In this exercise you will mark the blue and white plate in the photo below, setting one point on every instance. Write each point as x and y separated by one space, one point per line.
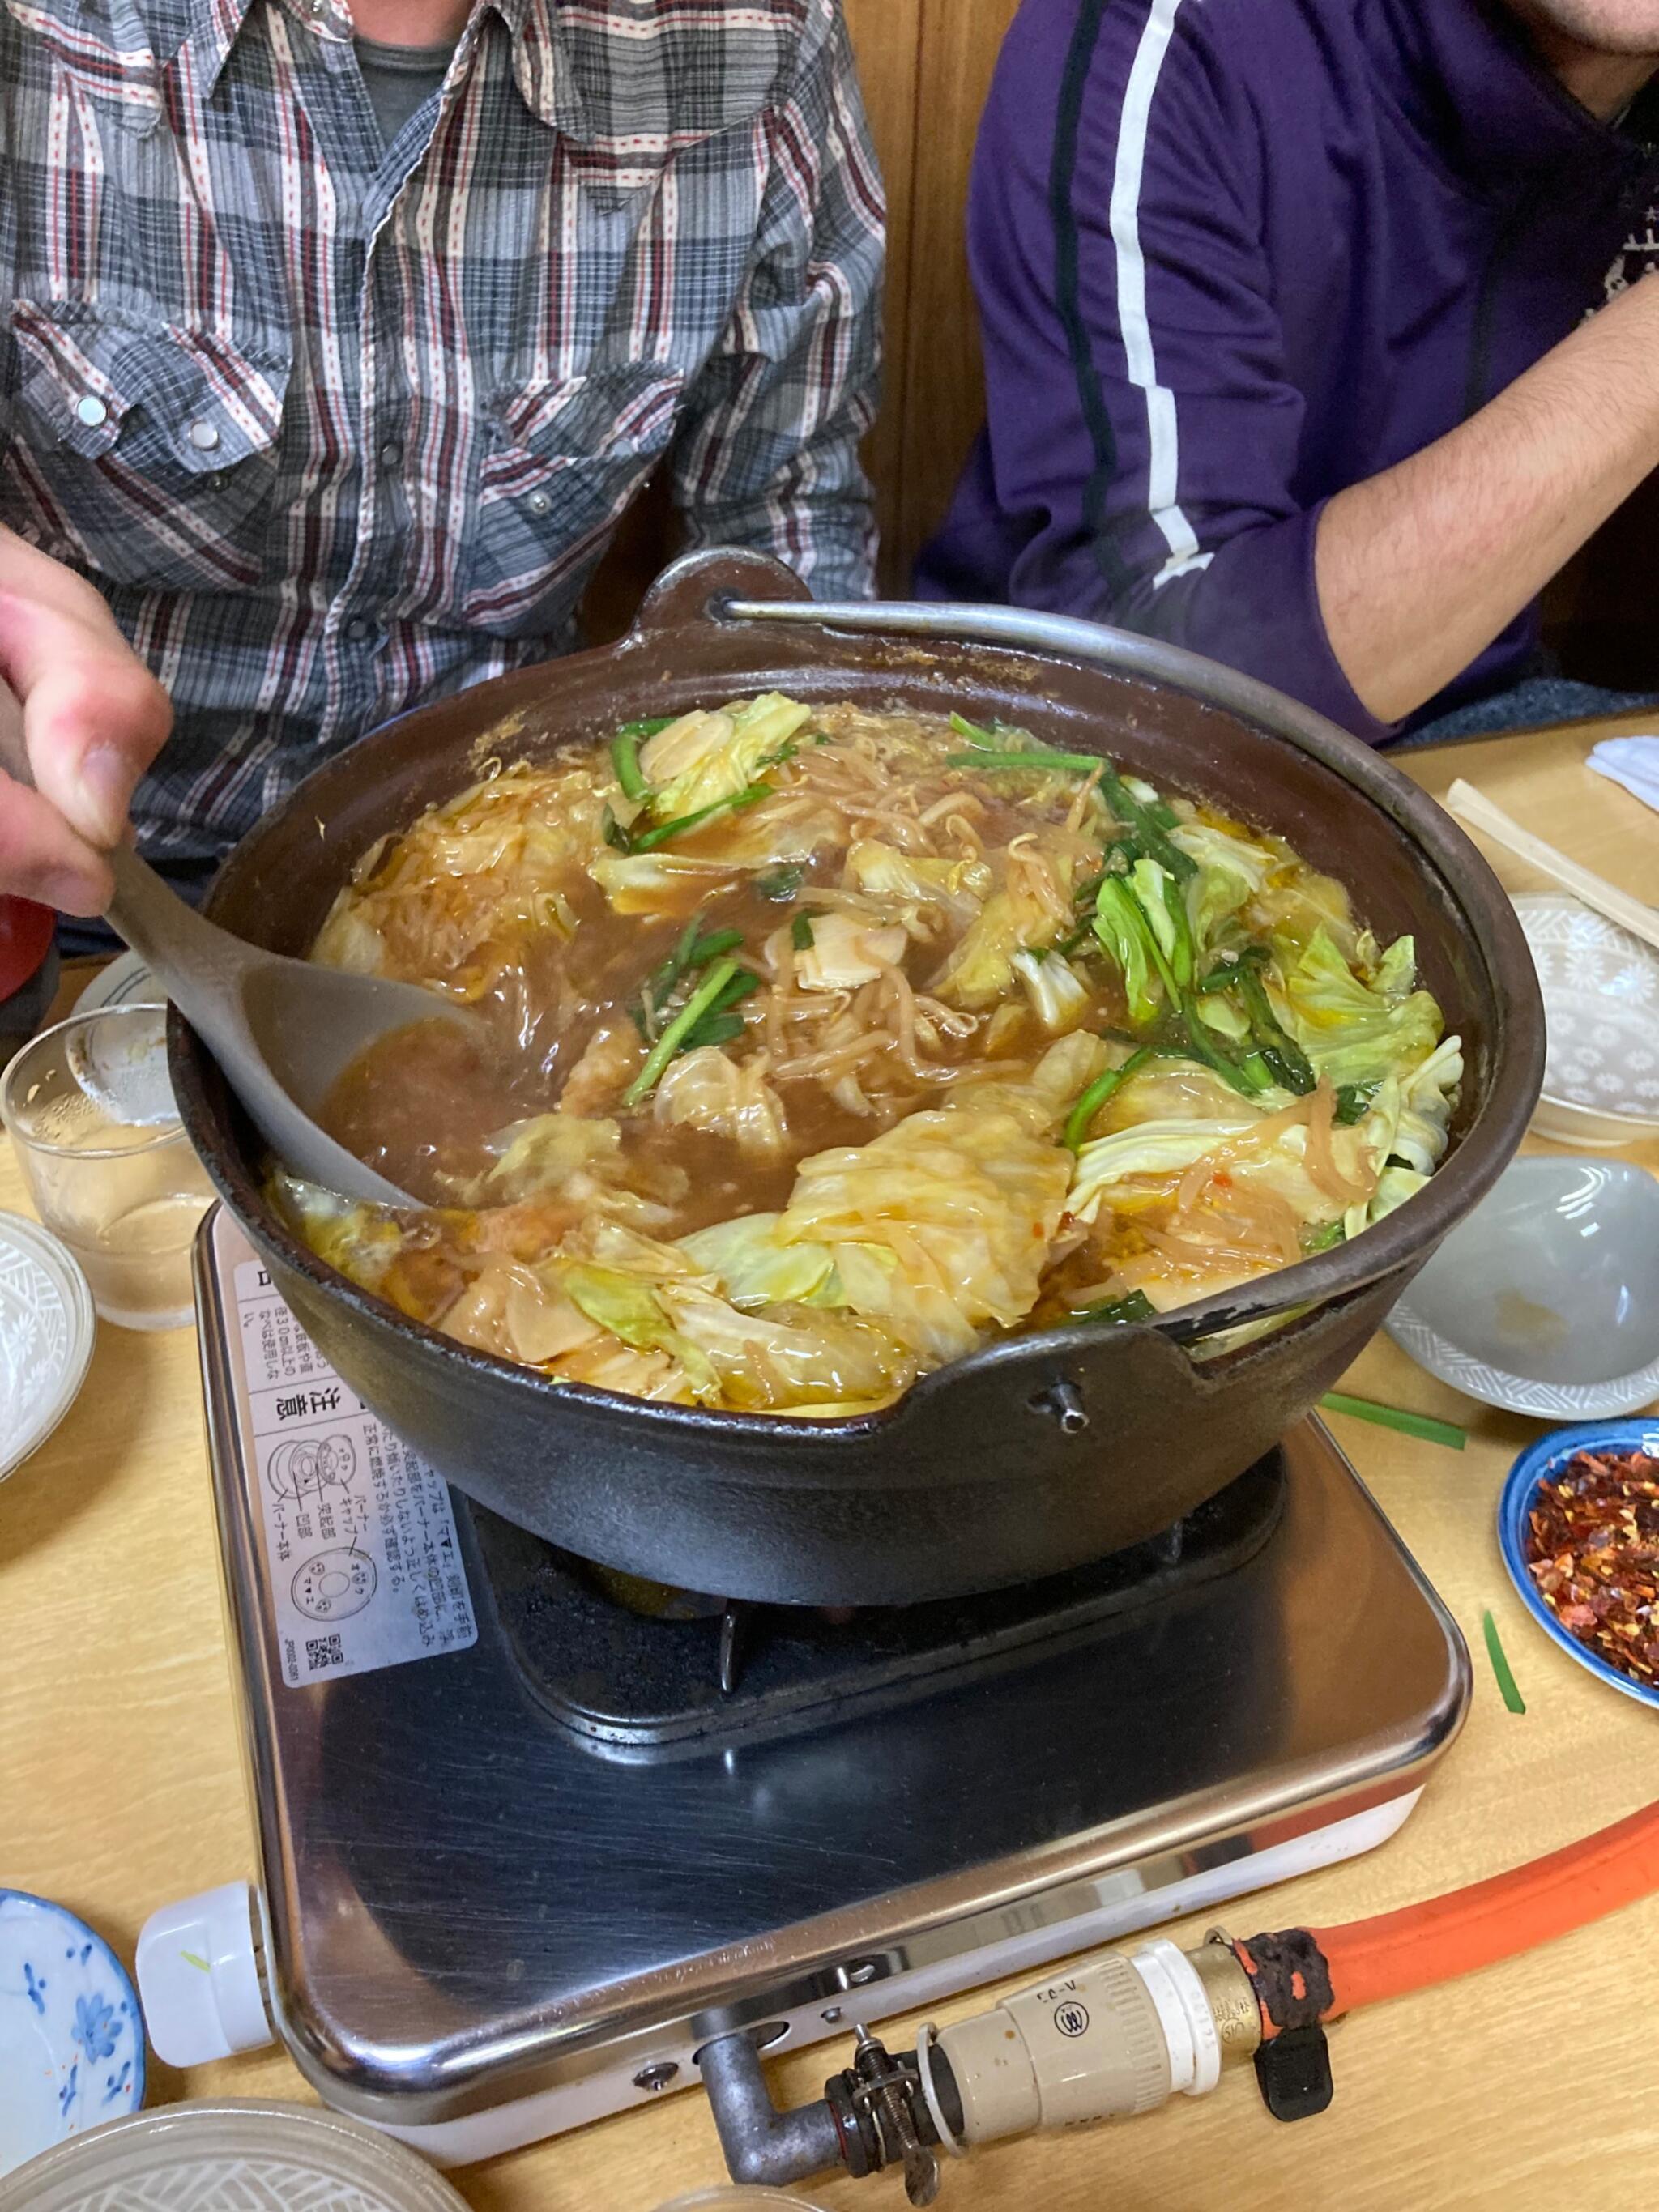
1547 1457
71 2036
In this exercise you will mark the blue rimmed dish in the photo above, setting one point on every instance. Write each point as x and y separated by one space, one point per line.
1547 1457
71 2035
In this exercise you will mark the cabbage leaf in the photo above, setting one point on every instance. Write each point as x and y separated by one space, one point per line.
662 882
706 1089
538 1155
358 1241
785 1357
754 1268
1059 996
941 1226
1122 929
981 968
845 951
1110 1169
1231 870
1406 1129
705 757
1352 1031
912 881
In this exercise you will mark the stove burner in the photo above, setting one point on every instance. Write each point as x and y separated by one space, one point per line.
635 1672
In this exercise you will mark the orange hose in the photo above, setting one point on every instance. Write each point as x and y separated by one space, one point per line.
1422 1944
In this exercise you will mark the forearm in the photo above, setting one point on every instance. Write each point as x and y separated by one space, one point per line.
1419 568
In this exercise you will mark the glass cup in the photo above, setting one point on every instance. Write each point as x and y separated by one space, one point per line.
96 1132
736 2199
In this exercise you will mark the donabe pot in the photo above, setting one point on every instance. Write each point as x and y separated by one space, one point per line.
1037 1453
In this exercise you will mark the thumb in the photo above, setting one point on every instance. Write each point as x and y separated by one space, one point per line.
93 716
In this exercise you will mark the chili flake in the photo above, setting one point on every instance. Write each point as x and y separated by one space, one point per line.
1593 1549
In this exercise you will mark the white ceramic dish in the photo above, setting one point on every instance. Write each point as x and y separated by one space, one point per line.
46 1330
71 2036
1545 1300
125 982
1600 991
245 2156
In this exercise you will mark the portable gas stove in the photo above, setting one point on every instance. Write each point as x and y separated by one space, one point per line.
537 1845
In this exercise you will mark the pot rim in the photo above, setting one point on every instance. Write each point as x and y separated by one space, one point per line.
730 589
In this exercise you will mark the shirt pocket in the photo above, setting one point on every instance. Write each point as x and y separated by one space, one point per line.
146 453
563 459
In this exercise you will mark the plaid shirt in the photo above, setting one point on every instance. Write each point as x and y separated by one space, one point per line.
336 426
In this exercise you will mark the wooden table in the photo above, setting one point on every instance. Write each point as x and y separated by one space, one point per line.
1533 2085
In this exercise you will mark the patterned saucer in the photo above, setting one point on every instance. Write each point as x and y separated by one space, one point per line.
46 1330
72 2038
1601 989
241 2156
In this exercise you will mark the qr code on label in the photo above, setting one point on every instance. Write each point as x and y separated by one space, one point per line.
324 1651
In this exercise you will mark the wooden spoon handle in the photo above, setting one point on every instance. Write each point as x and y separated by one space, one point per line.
1476 810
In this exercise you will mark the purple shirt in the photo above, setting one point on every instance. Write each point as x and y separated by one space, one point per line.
1231 256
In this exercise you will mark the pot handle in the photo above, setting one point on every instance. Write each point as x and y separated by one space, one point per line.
1066 635
1076 1377
698 587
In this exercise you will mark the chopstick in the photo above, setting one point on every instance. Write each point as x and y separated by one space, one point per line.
1477 811
1394 1416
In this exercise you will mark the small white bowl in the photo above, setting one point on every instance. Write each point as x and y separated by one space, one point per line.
125 982
1546 1299
1601 992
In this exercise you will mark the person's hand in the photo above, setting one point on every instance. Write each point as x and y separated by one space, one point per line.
92 719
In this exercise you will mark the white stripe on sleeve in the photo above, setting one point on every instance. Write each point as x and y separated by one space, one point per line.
1163 430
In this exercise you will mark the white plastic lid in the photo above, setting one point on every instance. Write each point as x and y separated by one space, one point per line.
198 1978
259 2157
46 1330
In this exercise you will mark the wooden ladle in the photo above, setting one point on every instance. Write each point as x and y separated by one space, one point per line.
282 1030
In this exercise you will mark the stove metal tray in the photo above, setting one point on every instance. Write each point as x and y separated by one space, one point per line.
464 1906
